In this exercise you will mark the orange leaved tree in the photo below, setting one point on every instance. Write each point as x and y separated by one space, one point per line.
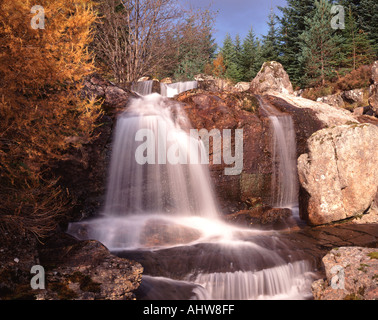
41 112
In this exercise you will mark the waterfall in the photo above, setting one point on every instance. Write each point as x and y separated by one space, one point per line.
284 156
164 214
157 186
143 88
170 90
285 281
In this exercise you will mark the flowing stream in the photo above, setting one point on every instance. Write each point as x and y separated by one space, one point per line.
284 155
165 216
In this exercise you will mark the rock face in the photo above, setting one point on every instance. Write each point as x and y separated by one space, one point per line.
85 270
328 115
334 100
340 173
80 270
351 274
272 78
84 171
210 110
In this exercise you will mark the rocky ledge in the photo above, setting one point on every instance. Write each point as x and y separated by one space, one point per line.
74 270
351 274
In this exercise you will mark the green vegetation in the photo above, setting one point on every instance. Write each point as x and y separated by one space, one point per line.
373 255
315 55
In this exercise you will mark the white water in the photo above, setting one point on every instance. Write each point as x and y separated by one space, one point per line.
284 176
167 208
290 281
173 89
143 88
178 189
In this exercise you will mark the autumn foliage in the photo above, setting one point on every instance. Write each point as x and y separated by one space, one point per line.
41 112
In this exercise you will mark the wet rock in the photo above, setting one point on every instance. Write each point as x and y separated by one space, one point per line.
160 233
351 274
340 172
210 110
85 270
261 217
272 78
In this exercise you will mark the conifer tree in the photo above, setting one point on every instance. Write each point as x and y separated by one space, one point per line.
228 51
357 48
41 112
319 45
249 56
292 24
368 20
271 48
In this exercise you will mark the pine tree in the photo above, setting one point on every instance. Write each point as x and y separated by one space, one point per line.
228 51
292 24
368 20
271 48
319 45
248 60
357 48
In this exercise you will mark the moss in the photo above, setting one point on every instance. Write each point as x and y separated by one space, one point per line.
352 296
63 291
86 283
363 267
373 255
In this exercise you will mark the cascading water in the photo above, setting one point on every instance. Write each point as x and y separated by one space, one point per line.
170 90
143 88
284 176
164 213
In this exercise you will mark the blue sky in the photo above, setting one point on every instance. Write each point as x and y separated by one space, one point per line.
238 16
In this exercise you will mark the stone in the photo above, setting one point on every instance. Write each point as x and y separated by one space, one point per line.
261 217
354 96
334 100
86 270
242 86
220 110
272 78
374 72
328 115
158 233
351 274
340 173
373 97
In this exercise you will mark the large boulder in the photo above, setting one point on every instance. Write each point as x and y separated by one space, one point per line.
351 274
327 114
340 173
86 270
272 78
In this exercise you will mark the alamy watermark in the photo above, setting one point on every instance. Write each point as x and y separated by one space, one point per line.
38 281
338 21
38 21
338 279
173 147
